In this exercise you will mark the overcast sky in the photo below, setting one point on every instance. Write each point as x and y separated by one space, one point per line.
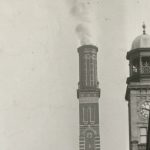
39 72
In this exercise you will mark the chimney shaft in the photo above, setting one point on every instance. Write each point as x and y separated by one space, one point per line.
88 67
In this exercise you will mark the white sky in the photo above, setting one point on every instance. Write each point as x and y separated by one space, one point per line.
39 72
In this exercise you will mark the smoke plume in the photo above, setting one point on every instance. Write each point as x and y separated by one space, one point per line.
85 12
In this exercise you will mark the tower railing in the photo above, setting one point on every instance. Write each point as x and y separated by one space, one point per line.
141 70
145 69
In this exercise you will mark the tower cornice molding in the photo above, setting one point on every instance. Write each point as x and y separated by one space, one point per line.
136 51
88 93
88 99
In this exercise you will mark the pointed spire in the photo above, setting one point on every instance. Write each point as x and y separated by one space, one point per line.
144 27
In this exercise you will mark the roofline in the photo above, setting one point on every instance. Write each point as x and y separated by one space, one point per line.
137 50
84 47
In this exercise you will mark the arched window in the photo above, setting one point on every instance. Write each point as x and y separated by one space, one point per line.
89 140
135 66
145 65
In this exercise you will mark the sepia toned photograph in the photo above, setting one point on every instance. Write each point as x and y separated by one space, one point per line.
74 75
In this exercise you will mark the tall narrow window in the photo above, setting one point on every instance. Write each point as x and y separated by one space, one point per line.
86 73
92 116
92 75
88 70
143 133
85 115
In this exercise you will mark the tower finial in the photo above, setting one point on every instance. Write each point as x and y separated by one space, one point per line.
144 27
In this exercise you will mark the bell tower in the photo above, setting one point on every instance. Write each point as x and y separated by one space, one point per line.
138 90
88 94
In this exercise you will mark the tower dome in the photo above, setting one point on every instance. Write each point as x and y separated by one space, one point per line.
142 41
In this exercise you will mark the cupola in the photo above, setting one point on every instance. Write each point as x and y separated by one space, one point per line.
139 58
142 41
